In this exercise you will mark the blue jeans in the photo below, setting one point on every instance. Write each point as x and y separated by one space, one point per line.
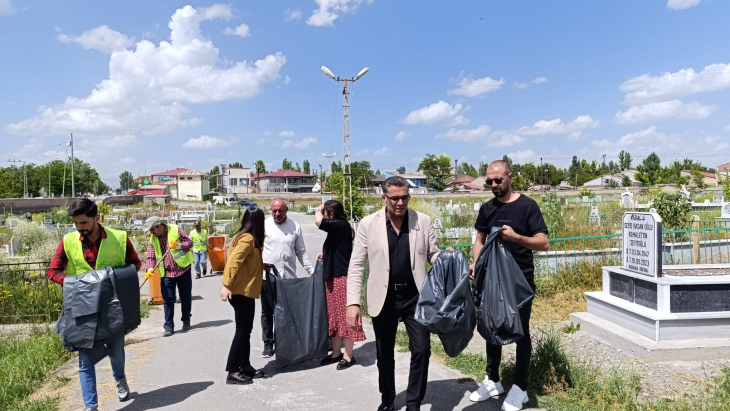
184 285
201 262
87 369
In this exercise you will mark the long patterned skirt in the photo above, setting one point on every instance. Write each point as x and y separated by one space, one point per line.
336 291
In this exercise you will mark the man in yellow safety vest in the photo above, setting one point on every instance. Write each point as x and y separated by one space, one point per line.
83 250
200 249
171 245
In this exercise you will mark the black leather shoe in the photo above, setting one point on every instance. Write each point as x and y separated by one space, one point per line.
236 378
168 332
344 364
331 360
253 373
186 325
386 407
268 351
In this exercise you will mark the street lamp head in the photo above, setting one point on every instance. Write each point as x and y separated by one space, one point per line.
361 73
327 72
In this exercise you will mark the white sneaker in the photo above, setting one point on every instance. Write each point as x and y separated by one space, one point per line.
515 399
122 389
487 389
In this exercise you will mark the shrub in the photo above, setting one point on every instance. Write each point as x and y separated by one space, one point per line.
675 210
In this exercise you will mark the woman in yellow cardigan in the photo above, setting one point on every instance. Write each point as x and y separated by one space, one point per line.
241 286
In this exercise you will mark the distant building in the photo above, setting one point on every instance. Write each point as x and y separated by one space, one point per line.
235 180
417 182
285 181
459 180
168 175
193 185
709 179
604 181
152 189
723 169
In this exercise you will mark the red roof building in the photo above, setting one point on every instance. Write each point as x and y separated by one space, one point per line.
167 175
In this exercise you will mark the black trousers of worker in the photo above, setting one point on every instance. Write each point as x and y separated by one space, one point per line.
523 352
267 310
401 304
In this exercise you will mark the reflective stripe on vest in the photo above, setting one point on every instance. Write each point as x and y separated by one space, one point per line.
112 251
182 258
200 241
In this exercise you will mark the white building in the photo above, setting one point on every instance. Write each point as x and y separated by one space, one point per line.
235 180
193 185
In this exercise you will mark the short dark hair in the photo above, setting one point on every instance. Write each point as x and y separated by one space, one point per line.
83 206
395 181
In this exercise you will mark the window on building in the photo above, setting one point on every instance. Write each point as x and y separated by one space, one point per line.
243 181
233 181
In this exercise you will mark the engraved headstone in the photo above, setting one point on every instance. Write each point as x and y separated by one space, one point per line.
15 245
627 199
598 198
593 217
717 198
725 210
642 243
476 206
437 224
585 199
684 191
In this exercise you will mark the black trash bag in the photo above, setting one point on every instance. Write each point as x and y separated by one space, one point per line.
301 325
446 305
500 289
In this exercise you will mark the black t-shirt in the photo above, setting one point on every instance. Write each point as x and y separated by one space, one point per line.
399 249
337 248
525 218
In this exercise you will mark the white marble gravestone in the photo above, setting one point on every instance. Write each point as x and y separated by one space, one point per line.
627 199
684 191
642 243
594 217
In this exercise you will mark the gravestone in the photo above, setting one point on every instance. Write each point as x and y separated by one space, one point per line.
47 223
642 243
627 199
437 224
598 198
585 199
476 206
593 217
684 191
725 210
15 245
13 223
717 198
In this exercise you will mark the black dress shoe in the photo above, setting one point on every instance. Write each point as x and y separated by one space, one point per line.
344 364
251 372
186 325
331 360
236 378
168 332
386 407
268 351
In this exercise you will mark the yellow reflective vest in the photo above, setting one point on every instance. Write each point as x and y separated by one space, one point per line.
112 251
200 241
182 258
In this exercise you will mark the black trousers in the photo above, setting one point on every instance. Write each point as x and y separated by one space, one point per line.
267 311
240 352
401 304
523 353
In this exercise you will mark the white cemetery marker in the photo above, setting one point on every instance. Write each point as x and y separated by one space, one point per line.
585 199
476 206
725 211
15 245
684 191
598 198
594 217
642 242
437 224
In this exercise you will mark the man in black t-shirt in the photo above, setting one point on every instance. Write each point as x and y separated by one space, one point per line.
523 231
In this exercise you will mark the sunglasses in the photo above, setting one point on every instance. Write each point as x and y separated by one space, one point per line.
396 199
489 181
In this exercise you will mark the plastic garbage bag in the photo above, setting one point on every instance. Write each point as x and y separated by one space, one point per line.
301 325
500 289
446 305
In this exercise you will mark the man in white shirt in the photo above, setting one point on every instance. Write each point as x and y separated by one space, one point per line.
284 244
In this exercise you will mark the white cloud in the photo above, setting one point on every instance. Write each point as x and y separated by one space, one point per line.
382 152
661 111
438 113
126 141
287 79
575 135
299 144
470 87
58 29
101 38
539 80
520 85
647 89
286 133
6 8
648 138
467 135
208 142
267 133
148 88
291 15
556 126
503 139
401 136
240 31
682 4
330 10
524 156
727 128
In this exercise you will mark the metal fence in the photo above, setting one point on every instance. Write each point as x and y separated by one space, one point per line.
27 295
705 242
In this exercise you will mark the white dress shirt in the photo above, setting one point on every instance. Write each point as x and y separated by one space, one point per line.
284 244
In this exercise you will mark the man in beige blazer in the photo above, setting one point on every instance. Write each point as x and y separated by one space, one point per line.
397 242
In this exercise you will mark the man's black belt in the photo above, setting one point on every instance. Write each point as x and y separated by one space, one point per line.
403 286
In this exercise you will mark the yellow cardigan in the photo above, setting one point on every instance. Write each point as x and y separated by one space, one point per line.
242 274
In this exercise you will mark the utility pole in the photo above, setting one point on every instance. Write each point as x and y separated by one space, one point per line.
603 170
73 186
456 166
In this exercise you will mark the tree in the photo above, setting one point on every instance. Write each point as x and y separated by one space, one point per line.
698 180
519 183
377 172
648 172
469 170
573 170
214 180
235 165
260 167
675 210
506 160
335 183
297 168
362 171
126 181
624 160
306 167
286 165
435 168
483 168
401 170
626 182
613 168
336 167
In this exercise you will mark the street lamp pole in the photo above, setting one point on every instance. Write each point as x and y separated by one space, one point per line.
73 186
145 165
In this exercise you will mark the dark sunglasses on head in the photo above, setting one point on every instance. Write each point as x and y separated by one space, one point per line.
396 199
496 180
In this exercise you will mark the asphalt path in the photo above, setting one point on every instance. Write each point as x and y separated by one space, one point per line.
187 371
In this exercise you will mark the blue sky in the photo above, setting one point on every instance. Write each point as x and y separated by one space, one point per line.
197 84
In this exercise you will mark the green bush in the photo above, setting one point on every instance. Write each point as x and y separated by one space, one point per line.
675 210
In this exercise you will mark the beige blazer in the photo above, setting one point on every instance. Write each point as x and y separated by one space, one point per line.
371 246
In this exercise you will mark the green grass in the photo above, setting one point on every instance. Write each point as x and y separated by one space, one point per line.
25 362
144 309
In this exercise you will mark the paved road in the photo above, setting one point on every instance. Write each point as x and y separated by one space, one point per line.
186 371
